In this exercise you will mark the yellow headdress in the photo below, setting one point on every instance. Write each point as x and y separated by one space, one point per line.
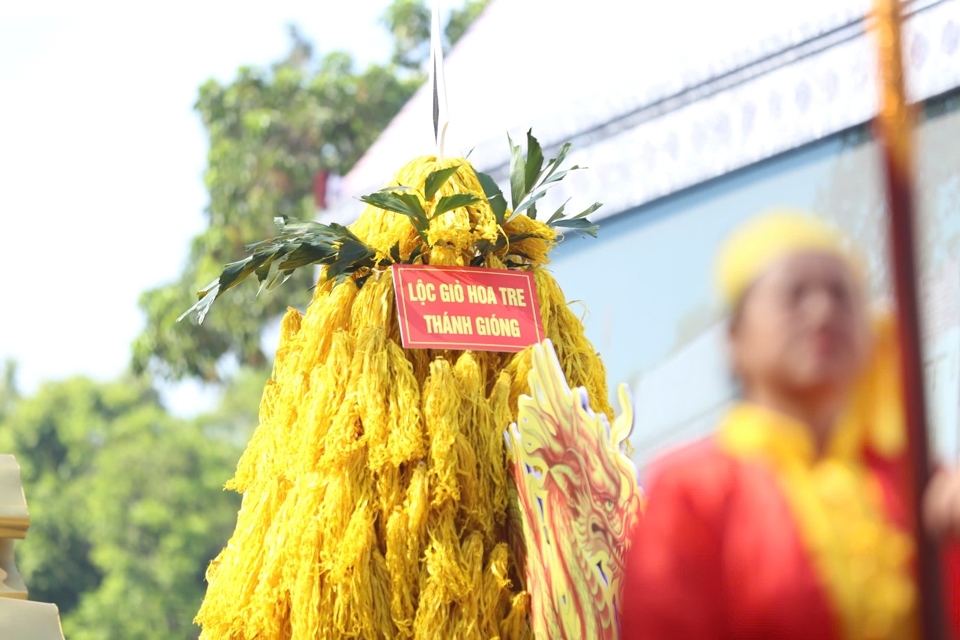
761 242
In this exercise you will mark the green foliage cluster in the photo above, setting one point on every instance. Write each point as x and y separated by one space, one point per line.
302 243
408 21
126 500
126 504
271 131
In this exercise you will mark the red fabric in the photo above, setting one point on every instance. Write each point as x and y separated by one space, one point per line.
893 477
951 588
718 556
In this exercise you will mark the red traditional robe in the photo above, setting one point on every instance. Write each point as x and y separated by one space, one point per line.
718 555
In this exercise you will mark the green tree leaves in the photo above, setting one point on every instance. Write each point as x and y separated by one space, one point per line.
272 132
126 505
408 21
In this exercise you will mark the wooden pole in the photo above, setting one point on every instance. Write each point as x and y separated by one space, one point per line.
894 129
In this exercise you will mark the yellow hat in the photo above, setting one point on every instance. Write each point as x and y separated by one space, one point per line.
758 244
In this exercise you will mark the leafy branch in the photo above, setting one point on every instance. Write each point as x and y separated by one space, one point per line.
530 179
302 242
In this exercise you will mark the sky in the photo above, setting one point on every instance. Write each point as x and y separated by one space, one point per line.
102 156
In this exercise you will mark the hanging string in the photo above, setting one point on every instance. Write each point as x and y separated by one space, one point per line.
437 82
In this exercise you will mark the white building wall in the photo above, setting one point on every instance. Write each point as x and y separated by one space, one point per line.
691 117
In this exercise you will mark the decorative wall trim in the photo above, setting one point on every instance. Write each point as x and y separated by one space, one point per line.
786 107
813 86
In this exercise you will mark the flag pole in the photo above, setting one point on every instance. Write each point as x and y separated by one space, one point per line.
894 130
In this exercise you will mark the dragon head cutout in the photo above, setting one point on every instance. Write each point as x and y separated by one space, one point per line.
578 500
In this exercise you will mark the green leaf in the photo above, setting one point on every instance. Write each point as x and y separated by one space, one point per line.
236 271
343 232
268 275
272 252
350 253
528 203
587 211
208 295
555 163
494 196
294 226
308 253
395 252
518 173
303 243
414 205
436 180
404 203
279 279
579 224
520 236
559 175
534 163
558 214
457 200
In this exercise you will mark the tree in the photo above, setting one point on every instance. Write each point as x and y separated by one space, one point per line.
126 505
8 388
272 131
408 21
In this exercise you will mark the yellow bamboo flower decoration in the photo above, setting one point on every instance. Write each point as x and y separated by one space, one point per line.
579 500
376 488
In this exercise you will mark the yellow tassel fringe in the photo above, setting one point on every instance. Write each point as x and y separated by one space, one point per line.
376 495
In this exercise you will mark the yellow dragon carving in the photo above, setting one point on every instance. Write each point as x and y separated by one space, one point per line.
578 499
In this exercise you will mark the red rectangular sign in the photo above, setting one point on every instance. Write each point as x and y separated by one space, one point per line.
466 308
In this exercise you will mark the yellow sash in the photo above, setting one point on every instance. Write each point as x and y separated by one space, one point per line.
863 561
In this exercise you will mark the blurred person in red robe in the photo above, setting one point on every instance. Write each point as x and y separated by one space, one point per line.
792 521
